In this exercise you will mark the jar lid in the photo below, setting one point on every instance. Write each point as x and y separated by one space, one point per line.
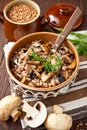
58 15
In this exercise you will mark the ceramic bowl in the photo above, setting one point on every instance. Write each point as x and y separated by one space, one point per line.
40 92
15 30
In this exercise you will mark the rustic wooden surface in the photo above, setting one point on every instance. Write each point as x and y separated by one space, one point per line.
4 82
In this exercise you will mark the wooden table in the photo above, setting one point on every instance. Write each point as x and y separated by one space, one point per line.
4 82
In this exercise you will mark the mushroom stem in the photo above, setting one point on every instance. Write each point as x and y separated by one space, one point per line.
15 114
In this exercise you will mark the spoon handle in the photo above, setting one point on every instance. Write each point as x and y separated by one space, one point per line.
68 27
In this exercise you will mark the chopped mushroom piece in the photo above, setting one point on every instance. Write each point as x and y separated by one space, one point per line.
9 107
45 77
73 64
37 50
34 62
37 74
44 48
23 79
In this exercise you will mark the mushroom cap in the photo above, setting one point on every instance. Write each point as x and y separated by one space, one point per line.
58 122
57 109
7 104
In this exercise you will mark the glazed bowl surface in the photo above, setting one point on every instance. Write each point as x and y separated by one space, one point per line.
40 92
58 15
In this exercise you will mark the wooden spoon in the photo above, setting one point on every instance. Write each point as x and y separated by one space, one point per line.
68 27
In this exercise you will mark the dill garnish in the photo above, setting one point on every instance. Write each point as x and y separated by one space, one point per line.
47 62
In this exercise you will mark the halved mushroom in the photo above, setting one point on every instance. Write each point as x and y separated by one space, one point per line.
35 116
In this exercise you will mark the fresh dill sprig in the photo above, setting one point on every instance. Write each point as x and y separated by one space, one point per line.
46 62
36 57
52 67
79 40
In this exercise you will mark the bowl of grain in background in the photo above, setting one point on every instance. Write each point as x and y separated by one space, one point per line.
35 71
20 18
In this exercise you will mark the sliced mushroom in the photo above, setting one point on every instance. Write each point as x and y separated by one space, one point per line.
66 59
37 74
34 62
35 116
45 77
44 48
70 66
23 79
36 43
43 55
73 64
36 50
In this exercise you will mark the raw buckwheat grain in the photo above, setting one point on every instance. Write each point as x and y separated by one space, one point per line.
22 13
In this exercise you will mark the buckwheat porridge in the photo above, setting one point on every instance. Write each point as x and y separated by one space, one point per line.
36 66
22 13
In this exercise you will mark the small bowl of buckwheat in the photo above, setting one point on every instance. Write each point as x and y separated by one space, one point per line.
18 18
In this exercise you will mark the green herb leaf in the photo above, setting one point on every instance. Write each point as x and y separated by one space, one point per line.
46 62
58 61
36 57
49 67
80 41
82 50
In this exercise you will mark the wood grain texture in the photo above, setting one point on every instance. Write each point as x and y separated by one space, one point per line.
4 81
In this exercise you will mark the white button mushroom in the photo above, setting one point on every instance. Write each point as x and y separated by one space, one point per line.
58 120
9 107
35 116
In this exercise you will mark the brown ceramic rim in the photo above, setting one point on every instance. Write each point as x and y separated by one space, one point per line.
42 89
10 4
